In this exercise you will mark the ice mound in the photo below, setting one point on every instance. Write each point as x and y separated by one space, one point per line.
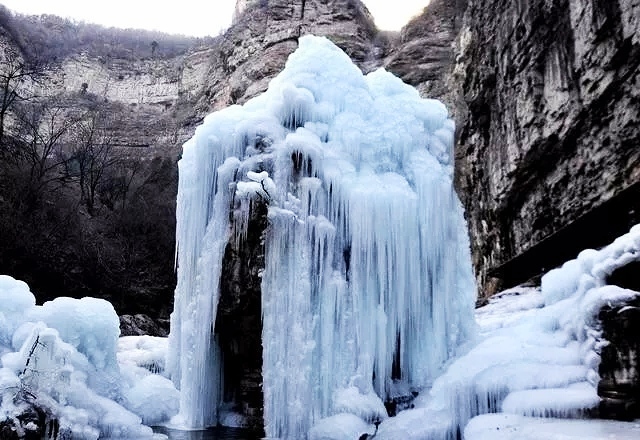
537 355
368 270
60 358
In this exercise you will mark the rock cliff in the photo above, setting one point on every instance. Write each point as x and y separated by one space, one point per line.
424 54
264 33
545 96
548 126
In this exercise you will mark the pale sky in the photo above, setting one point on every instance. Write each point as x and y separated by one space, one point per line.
188 17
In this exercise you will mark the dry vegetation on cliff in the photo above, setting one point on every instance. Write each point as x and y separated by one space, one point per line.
80 213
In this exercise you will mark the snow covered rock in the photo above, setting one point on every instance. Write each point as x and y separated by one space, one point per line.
59 372
538 353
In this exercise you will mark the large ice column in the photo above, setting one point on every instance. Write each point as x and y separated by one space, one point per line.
367 281
202 234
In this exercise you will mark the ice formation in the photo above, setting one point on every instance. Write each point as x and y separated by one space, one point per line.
514 427
537 355
61 359
367 284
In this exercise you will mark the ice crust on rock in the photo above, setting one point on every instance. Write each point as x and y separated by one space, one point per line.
367 258
61 358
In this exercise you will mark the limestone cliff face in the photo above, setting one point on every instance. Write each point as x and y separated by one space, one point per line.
157 93
549 121
168 97
265 33
424 55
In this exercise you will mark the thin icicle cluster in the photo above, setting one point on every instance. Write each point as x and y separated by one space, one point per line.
367 279
539 355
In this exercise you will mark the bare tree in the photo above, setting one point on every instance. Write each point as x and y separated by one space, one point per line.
91 159
40 135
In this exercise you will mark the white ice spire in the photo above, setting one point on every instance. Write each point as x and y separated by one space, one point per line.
367 280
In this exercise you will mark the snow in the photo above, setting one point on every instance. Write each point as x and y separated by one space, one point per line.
157 390
365 404
536 354
515 427
340 427
61 358
367 255
148 352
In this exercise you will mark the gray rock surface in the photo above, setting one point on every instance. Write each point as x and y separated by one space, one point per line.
264 33
140 324
549 121
424 54
619 386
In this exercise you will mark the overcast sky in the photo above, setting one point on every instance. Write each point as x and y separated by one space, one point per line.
189 17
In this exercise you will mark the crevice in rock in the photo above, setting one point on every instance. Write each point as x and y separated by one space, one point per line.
627 277
239 319
619 386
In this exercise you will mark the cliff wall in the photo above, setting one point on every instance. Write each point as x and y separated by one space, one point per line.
545 96
548 123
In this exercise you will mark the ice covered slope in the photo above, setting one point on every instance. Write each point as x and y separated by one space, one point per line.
367 273
537 355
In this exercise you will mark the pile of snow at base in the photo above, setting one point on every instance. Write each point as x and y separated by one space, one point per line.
147 352
537 353
340 427
154 398
61 358
514 427
368 271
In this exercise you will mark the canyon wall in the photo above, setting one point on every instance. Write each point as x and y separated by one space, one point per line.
545 96
548 128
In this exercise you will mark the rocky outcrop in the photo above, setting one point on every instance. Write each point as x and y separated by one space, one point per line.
140 324
239 319
424 55
264 33
619 386
549 121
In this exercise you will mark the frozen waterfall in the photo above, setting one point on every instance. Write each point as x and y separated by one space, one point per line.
367 288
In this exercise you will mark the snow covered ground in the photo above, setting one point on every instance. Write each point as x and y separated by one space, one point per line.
514 427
